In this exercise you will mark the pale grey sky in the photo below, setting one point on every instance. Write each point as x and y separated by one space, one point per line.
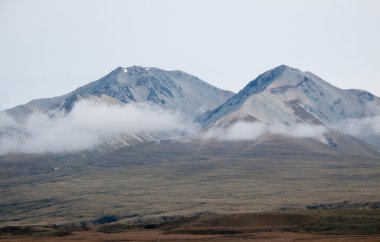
50 47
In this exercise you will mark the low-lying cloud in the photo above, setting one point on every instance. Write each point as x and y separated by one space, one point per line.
92 123
252 131
87 125
367 126
367 129
238 131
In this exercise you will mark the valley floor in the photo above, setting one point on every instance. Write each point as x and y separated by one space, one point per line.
161 183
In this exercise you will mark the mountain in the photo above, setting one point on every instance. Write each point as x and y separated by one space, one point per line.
172 90
282 96
290 96
177 94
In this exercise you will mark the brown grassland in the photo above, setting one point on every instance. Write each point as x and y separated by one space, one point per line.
193 191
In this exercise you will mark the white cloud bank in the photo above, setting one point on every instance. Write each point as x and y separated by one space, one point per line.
368 126
252 131
87 125
91 123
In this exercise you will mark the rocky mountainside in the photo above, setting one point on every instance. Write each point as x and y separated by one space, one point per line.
290 96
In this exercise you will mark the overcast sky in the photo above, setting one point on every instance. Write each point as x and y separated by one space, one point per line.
48 48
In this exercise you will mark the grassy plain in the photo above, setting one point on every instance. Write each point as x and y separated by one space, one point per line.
160 183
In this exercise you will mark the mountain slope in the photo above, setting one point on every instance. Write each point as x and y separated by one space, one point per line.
173 90
290 96
166 104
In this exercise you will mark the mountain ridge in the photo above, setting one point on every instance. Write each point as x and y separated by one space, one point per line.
175 90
